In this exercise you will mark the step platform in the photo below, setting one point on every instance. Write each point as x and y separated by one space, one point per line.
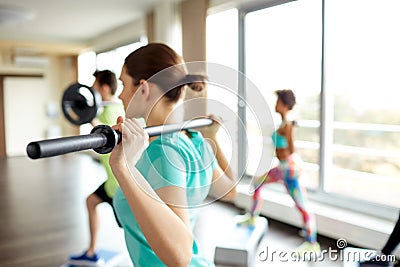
351 256
108 258
239 246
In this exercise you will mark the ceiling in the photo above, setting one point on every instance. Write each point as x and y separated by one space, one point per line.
66 21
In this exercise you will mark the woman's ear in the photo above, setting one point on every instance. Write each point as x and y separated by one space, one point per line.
144 89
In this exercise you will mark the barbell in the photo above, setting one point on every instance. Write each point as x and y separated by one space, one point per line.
102 139
80 103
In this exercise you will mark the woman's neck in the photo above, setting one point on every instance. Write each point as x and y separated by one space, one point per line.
161 114
283 116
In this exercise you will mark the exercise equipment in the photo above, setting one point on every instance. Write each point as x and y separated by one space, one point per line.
351 256
80 103
102 139
239 246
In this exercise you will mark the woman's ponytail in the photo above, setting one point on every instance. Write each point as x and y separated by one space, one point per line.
196 82
161 65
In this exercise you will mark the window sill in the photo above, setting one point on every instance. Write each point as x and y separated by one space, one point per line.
356 228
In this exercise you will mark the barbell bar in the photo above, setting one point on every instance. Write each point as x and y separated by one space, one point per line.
102 139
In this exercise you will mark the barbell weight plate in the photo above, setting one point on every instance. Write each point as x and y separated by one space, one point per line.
80 104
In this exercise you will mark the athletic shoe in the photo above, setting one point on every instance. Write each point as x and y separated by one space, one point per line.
85 260
246 220
307 251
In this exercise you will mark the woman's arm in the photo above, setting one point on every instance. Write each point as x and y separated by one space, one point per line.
223 185
289 136
224 180
166 228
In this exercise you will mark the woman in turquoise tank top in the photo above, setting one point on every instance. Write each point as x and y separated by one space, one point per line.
162 179
288 172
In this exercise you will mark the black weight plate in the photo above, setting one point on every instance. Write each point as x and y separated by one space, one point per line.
79 104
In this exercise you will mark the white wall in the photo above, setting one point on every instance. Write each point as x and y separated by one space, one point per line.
25 112
27 101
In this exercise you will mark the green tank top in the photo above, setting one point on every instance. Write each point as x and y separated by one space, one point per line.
109 117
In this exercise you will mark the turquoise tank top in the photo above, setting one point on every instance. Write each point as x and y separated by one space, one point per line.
279 140
170 160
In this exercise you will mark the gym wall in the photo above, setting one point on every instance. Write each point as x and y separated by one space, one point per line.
31 97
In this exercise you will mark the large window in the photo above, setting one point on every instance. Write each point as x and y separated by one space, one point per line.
283 51
362 62
342 59
222 51
222 45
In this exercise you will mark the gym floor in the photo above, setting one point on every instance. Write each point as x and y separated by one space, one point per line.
43 216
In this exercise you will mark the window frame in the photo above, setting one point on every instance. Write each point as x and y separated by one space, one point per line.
326 124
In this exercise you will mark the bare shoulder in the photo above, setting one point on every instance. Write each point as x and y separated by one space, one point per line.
289 125
288 128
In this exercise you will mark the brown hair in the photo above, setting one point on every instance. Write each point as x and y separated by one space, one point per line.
287 97
147 61
106 77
